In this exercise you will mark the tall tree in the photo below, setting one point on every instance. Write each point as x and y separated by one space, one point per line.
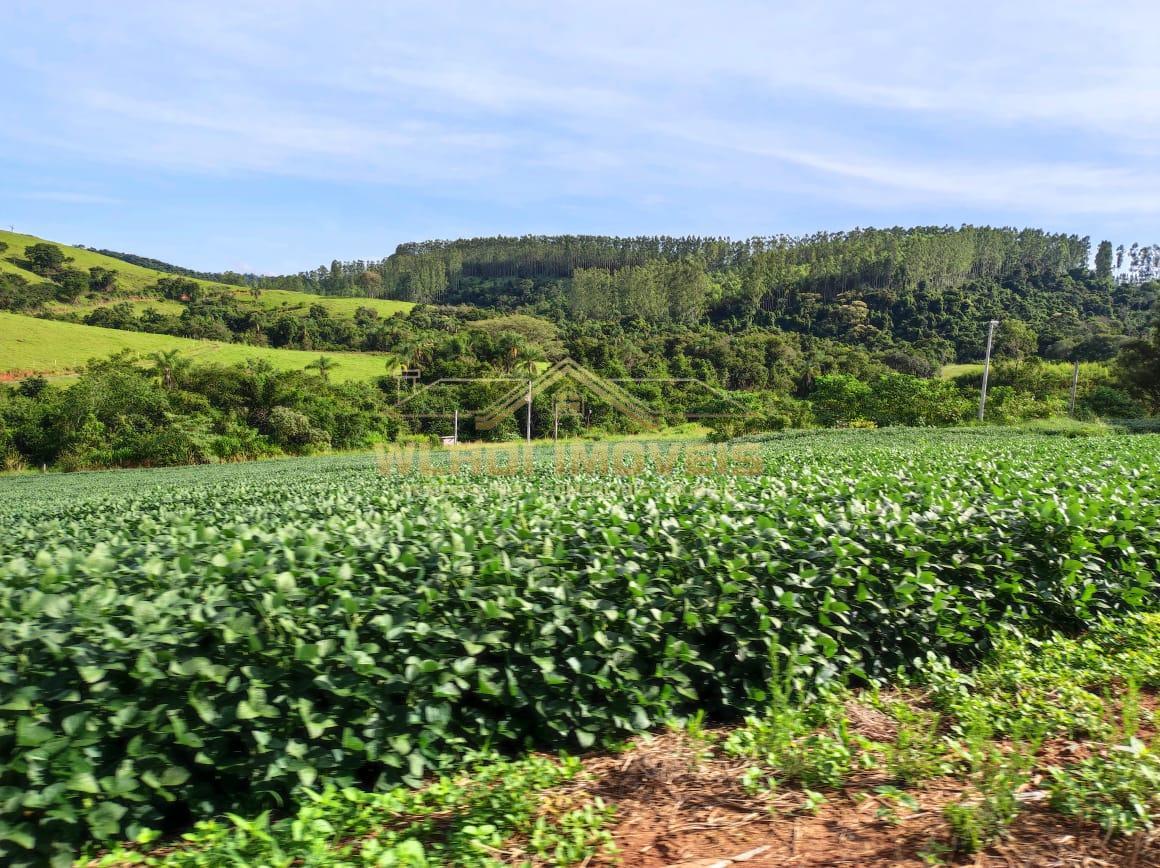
1140 363
1104 261
167 365
45 259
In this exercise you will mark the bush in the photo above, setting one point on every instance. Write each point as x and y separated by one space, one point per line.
17 294
766 412
1006 406
118 413
838 398
1110 402
293 431
891 399
71 283
1064 427
45 259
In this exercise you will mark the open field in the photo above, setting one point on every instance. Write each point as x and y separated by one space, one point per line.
83 306
38 346
299 302
239 635
135 280
12 268
949 372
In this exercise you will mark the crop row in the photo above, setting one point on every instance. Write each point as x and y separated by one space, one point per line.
214 642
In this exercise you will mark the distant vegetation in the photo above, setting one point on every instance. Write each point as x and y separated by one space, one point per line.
50 348
845 329
930 285
229 277
162 409
85 286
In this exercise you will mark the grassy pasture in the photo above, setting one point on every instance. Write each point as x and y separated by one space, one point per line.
949 372
38 346
131 279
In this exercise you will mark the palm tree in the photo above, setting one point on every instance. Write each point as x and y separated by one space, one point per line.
412 351
167 364
394 363
324 365
262 391
395 366
529 365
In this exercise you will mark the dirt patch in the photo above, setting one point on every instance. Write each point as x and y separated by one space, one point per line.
679 803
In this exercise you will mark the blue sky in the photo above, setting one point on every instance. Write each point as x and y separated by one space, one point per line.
276 136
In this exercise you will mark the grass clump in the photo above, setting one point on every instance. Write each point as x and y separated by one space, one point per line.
494 813
1118 789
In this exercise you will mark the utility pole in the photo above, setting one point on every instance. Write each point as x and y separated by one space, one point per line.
529 411
1074 384
555 421
987 368
455 436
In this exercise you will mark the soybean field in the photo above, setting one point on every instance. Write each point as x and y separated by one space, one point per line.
180 643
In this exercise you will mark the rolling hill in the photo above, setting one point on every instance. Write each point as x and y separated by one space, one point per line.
29 346
135 282
9 267
131 279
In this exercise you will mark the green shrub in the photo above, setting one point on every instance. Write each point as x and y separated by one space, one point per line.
462 820
918 751
1065 427
1110 402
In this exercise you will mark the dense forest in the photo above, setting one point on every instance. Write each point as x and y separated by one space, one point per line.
833 329
868 287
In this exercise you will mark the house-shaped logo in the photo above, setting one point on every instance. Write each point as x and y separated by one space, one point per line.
566 370
578 379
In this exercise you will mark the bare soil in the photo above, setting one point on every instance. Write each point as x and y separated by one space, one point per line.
680 804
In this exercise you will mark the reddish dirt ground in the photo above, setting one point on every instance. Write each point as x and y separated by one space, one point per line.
680 804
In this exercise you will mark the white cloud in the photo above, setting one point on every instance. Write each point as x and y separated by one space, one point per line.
1032 108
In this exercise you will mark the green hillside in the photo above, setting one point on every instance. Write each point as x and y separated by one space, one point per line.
8 267
136 281
83 306
38 346
274 299
131 279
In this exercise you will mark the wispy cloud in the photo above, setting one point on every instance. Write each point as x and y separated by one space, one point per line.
1031 112
68 197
